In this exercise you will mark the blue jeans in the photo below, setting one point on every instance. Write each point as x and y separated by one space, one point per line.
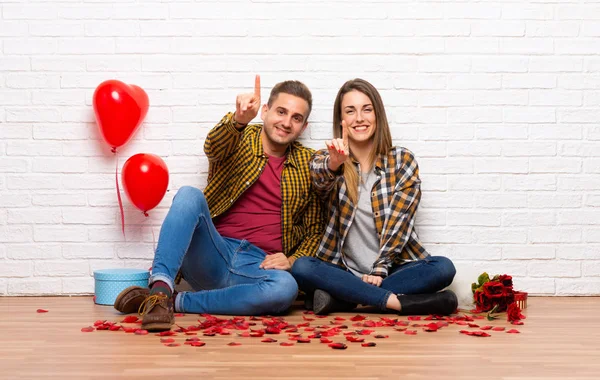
224 272
416 277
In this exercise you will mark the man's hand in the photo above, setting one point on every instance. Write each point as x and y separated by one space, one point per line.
373 280
247 105
338 149
276 261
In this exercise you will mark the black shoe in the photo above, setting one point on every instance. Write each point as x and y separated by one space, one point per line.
324 303
442 303
308 302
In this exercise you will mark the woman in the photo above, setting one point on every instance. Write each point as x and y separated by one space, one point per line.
370 253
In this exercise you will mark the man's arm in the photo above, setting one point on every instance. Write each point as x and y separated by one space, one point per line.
224 138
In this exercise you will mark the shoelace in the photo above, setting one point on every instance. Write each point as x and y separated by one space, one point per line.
149 303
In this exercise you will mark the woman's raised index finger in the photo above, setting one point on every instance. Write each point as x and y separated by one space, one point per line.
344 133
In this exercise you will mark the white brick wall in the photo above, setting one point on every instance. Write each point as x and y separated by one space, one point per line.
499 101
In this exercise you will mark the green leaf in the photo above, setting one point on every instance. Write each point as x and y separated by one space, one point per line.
483 278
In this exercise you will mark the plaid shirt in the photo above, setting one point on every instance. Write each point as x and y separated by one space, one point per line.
236 160
395 197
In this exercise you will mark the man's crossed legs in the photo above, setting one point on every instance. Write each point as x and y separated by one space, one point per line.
224 272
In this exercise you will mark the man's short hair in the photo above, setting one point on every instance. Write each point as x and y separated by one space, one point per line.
292 87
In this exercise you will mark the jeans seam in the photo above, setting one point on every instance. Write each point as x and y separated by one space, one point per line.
210 232
181 295
179 302
383 304
232 269
419 262
219 250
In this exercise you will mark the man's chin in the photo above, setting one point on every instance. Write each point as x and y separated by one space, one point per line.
279 140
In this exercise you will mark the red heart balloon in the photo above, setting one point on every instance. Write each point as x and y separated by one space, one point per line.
145 179
120 109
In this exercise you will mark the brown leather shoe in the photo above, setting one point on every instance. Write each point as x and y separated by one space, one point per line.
157 313
130 299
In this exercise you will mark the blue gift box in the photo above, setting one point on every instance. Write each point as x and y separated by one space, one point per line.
110 282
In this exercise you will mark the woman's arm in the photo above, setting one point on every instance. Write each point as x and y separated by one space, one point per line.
322 176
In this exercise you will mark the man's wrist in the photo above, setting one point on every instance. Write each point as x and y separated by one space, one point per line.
237 125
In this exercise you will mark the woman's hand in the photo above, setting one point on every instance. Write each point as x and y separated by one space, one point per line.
373 280
338 149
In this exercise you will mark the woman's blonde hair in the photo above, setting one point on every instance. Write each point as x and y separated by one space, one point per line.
382 137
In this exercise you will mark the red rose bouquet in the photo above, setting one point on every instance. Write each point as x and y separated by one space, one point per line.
496 294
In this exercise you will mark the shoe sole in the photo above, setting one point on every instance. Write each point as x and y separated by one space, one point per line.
158 326
455 301
118 306
321 300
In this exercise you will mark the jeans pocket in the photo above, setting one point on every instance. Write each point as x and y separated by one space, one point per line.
247 254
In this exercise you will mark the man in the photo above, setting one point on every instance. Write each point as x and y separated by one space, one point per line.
236 242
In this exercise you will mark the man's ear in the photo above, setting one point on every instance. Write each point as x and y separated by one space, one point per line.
263 111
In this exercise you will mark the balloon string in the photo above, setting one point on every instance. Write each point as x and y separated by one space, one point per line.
153 239
118 191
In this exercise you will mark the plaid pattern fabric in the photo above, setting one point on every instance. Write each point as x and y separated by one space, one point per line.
395 198
236 160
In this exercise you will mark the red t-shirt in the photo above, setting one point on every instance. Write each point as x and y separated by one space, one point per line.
256 215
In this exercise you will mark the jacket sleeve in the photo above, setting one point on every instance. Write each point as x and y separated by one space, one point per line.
322 177
313 223
223 139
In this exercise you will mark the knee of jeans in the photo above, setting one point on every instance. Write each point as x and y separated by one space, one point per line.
302 267
446 269
190 198
282 291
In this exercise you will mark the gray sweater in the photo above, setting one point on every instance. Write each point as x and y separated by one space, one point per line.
361 247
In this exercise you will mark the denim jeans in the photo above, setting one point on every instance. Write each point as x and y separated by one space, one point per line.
416 277
224 272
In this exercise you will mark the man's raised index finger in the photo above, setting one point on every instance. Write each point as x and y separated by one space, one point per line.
257 86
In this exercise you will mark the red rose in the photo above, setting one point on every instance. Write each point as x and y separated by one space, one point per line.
506 280
504 301
483 302
493 288
513 312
